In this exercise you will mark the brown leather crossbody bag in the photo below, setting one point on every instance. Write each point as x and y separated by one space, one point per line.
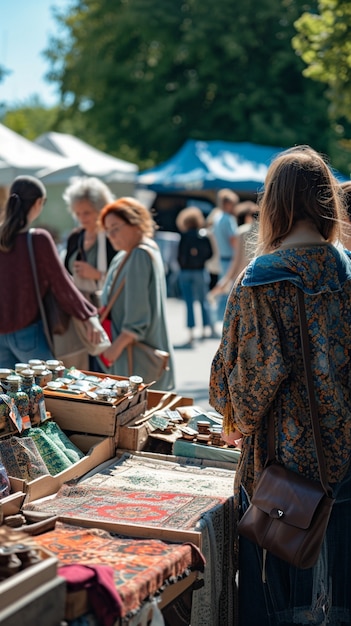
289 514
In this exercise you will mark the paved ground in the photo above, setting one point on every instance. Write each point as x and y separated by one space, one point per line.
192 364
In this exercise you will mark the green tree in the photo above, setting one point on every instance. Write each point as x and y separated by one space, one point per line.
323 41
145 75
30 118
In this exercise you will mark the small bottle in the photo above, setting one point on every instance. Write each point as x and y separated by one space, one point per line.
21 366
53 365
20 398
4 373
5 421
37 409
42 375
135 382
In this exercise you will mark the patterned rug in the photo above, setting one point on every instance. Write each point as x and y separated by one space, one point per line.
141 508
186 481
134 472
141 567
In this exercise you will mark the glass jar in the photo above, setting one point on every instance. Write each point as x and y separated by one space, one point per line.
28 555
42 375
21 400
121 387
4 373
135 382
5 420
37 409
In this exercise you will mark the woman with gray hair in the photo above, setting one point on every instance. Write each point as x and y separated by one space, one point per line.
89 252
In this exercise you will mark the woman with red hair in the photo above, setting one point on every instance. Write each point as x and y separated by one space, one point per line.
137 274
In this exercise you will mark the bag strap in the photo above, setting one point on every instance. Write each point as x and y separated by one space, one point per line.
37 291
115 296
311 399
80 246
118 291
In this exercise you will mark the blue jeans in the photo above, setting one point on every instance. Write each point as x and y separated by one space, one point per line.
194 286
22 345
222 300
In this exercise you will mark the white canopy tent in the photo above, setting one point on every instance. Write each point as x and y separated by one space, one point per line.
19 156
92 162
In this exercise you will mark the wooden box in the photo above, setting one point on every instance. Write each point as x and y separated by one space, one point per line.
44 606
47 485
28 580
134 434
10 505
84 415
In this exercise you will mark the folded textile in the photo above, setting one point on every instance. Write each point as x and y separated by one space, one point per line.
141 567
22 459
54 457
5 486
99 581
54 432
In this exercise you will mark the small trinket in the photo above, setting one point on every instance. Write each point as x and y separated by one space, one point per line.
102 394
188 433
135 382
121 387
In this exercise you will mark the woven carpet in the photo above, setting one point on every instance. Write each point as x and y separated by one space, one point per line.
213 604
135 472
141 567
181 492
144 508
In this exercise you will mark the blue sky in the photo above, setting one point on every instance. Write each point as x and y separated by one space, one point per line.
25 28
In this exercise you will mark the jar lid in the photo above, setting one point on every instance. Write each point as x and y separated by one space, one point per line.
28 373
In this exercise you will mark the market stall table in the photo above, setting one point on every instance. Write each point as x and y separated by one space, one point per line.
175 500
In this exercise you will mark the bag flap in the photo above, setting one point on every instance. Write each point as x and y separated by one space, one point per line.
288 496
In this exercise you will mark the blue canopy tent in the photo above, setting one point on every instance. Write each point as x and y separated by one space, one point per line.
212 165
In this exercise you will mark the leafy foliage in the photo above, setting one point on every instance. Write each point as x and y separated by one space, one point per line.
324 43
139 77
31 118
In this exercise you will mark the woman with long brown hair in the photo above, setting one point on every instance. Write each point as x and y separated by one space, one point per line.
259 369
21 330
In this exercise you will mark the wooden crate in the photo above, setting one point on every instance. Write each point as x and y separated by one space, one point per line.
103 450
44 606
81 414
28 580
134 435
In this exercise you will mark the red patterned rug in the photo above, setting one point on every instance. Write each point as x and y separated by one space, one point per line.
141 567
149 508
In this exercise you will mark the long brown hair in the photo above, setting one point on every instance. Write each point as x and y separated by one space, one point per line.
299 186
24 192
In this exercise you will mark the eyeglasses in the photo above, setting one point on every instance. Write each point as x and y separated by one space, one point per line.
113 231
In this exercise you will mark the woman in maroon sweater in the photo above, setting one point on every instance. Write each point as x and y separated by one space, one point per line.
21 331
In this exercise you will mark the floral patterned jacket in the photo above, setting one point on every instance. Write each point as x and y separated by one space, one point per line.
259 362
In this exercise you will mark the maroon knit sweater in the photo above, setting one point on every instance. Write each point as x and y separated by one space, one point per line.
18 303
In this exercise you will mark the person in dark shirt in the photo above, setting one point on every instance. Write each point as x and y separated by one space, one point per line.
21 330
193 252
89 252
